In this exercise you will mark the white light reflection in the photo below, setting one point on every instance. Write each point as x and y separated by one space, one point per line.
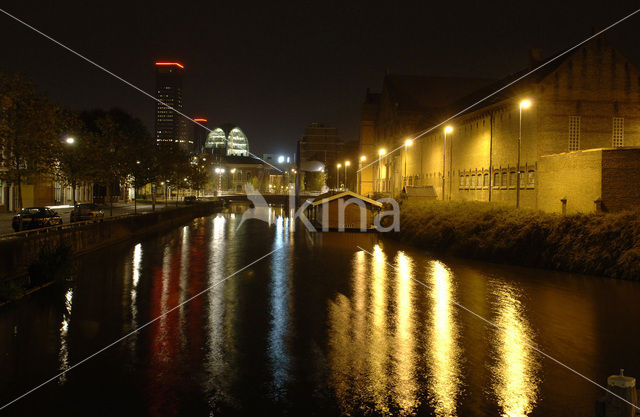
63 355
136 265
280 293
216 326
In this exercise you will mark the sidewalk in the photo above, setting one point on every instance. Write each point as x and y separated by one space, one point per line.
118 210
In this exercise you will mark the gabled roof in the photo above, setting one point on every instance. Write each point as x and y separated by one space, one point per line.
422 93
546 68
335 195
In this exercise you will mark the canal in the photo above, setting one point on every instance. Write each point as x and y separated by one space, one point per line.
319 327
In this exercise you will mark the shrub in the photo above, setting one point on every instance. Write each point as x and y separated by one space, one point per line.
599 244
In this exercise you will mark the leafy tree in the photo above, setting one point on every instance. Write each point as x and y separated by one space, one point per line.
29 132
74 156
118 141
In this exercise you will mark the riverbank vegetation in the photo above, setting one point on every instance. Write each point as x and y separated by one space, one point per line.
597 244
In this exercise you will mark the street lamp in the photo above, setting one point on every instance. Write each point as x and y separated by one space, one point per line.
338 176
524 104
407 143
381 152
70 140
447 129
362 159
346 164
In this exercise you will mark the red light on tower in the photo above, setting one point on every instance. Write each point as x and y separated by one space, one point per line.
200 119
177 64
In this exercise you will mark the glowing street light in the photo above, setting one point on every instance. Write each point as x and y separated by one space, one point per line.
381 152
407 143
524 104
346 164
447 129
70 140
359 179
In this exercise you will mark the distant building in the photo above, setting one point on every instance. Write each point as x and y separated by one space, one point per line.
199 134
580 136
227 140
321 143
170 126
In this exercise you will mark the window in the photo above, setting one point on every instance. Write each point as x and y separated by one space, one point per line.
574 133
496 179
618 132
504 179
512 179
461 180
485 180
521 176
531 179
466 181
473 180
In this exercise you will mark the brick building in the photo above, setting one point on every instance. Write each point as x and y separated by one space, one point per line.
577 136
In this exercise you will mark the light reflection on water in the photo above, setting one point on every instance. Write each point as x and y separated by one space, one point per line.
444 350
516 367
316 328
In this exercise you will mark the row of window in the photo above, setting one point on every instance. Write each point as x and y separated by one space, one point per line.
617 134
502 179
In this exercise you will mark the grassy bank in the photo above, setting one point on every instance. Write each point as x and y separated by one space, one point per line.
606 244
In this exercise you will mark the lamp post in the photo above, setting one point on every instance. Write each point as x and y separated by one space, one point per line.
381 152
447 129
407 143
69 140
338 176
524 104
346 164
362 159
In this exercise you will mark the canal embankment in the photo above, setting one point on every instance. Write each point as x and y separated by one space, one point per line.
44 250
596 244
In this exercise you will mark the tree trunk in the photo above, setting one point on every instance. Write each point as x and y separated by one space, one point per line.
153 197
73 190
108 196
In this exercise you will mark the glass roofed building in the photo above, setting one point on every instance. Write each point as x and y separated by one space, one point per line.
227 140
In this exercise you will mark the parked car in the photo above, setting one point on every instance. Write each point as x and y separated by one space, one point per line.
86 211
35 218
190 199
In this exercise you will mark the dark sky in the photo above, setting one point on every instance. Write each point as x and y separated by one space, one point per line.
272 67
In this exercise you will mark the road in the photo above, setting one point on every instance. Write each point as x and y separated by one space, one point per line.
65 211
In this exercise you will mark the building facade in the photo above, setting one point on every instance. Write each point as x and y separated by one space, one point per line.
170 126
227 140
576 136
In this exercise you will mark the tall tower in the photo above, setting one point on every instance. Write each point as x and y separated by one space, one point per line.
170 126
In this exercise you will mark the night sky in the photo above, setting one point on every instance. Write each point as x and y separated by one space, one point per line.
272 68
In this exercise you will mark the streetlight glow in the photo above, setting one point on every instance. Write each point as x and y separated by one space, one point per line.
363 158
347 163
408 142
525 104
448 129
382 151
339 165
70 140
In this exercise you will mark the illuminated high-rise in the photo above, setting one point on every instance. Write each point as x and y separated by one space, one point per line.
170 126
